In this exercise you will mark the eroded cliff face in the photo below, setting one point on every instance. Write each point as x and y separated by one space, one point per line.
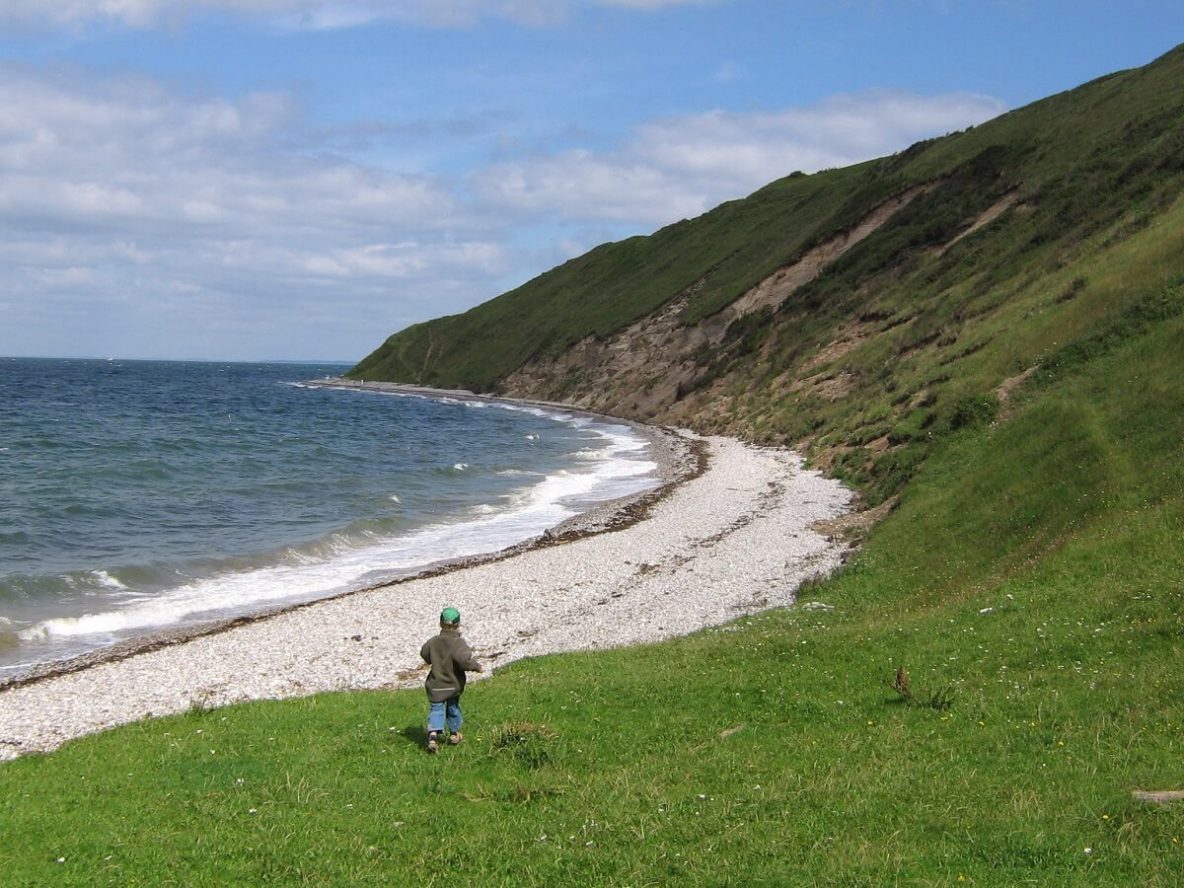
646 371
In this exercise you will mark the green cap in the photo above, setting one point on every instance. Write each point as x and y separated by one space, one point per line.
450 615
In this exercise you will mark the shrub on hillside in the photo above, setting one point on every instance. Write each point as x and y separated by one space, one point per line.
973 411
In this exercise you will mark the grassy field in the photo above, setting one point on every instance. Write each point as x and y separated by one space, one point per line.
1029 583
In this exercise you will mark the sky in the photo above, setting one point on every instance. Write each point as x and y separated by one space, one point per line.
298 179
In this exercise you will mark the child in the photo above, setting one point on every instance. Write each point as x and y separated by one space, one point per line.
450 657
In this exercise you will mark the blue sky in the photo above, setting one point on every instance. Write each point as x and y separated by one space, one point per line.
297 179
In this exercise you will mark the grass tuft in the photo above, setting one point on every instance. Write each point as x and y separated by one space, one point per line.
526 743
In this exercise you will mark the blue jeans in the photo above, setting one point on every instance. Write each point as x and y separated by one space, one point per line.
446 711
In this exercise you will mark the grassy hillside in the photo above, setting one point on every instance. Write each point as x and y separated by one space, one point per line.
1076 163
1032 230
1029 583
1018 390
723 252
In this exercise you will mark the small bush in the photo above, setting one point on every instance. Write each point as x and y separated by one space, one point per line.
943 698
902 684
973 411
940 699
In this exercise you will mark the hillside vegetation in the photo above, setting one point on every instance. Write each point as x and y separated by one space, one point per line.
987 334
986 251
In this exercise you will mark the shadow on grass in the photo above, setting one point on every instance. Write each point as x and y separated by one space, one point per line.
416 735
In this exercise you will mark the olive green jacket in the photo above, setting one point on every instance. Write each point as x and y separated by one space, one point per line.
450 657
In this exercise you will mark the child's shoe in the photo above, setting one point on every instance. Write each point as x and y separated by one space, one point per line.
455 737
433 741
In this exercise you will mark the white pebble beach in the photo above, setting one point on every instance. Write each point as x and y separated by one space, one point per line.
736 538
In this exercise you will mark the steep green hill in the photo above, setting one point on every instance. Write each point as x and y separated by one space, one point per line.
921 287
721 254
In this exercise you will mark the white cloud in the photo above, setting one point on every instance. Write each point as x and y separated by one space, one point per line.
309 14
333 14
124 149
138 221
683 166
115 194
656 4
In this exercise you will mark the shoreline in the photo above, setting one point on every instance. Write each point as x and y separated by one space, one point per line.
729 531
673 455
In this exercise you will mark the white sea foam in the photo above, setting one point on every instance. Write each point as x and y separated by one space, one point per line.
94 579
524 408
308 578
104 579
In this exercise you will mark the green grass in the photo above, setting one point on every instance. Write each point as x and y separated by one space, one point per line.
1032 572
915 378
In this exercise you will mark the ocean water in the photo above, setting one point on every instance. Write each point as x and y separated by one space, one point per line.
142 496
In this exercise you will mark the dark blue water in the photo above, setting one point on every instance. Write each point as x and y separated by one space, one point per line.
136 496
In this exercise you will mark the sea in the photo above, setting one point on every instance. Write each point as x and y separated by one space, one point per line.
139 496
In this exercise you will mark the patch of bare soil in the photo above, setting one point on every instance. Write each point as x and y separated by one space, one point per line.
774 290
849 337
986 217
644 371
1006 389
854 526
879 445
826 386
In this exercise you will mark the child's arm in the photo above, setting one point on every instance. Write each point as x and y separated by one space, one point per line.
466 661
